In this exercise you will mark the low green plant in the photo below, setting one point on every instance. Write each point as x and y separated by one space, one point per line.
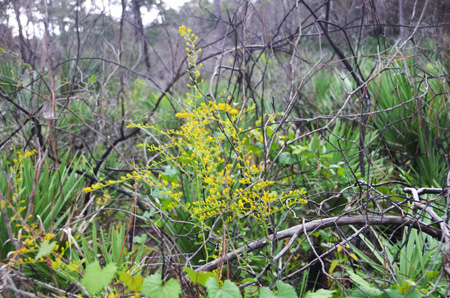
413 120
411 266
37 201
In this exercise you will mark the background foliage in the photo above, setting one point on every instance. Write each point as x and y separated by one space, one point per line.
224 149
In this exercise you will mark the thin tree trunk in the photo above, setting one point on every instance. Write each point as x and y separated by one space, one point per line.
139 32
217 12
401 20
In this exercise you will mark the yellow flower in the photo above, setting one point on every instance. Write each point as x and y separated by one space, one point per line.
182 30
56 264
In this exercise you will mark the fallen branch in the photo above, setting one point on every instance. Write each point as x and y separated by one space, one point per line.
324 223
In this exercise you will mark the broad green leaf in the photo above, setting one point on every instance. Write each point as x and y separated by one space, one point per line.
321 294
168 178
283 291
406 287
154 288
140 239
133 283
365 286
285 158
45 249
356 293
96 278
394 293
228 290
250 291
299 149
332 267
255 150
158 194
184 160
266 293
170 171
432 274
165 204
149 214
199 277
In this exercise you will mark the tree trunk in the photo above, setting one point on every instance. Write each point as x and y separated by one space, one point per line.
217 12
139 31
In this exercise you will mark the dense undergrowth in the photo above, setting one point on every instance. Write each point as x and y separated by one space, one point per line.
214 179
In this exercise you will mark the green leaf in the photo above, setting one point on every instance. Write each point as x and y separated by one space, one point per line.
250 291
321 294
299 149
266 293
284 291
170 171
184 160
96 278
168 178
355 293
140 239
332 267
394 293
45 249
153 287
365 286
432 274
158 194
133 283
199 277
92 79
149 214
285 158
228 290
255 150
165 204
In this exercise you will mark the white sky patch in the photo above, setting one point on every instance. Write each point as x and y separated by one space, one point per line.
115 9
112 8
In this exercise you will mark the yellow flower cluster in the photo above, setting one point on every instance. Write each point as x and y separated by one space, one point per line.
206 111
223 179
19 161
137 176
29 241
26 155
194 67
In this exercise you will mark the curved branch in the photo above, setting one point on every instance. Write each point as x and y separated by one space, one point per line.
325 223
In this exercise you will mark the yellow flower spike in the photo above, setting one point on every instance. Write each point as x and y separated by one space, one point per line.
182 30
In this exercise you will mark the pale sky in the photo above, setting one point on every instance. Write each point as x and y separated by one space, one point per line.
147 16
115 10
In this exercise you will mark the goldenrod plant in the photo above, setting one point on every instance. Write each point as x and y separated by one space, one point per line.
209 173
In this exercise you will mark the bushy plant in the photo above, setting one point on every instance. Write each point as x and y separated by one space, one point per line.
211 179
